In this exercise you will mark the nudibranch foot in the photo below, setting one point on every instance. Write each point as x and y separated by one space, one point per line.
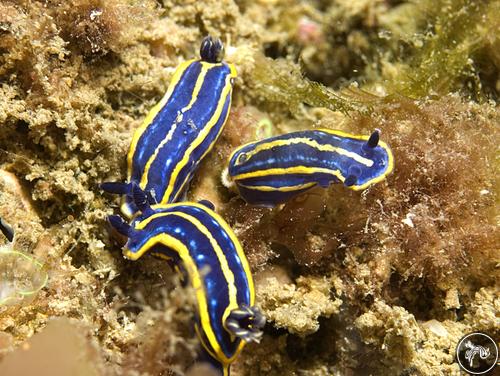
246 323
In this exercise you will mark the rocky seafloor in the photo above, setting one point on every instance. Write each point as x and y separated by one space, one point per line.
380 282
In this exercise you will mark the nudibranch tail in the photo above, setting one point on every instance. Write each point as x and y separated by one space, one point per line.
6 230
271 171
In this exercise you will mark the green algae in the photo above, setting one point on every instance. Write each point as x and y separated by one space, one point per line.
282 81
442 55
435 51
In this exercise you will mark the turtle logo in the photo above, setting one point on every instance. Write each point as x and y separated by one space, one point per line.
477 353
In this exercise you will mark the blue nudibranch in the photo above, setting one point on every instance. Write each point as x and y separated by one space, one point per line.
180 130
273 170
207 253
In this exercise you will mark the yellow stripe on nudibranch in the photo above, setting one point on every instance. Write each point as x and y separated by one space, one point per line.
194 97
154 111
290 170
206 129
343 134
314 144
268 188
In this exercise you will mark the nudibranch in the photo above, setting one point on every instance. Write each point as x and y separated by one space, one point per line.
272 171
180 130
194 239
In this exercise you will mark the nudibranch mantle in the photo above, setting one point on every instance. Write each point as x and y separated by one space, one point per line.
202 246
271 171
180 130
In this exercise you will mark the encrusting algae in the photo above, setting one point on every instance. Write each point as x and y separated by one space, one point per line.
384 281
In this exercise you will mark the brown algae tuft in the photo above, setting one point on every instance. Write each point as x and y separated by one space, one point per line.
94 28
